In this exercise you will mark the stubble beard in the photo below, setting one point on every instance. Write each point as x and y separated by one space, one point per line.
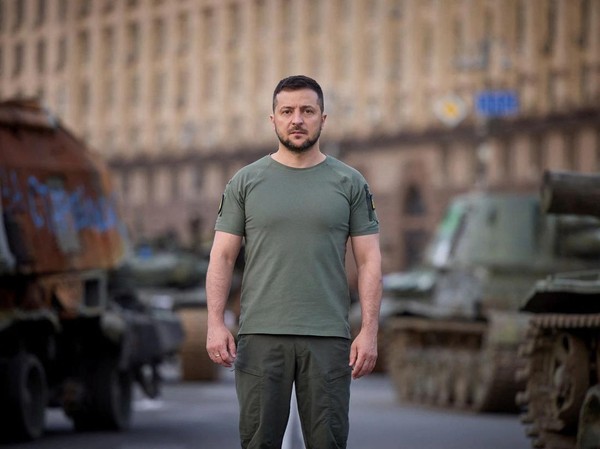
308 143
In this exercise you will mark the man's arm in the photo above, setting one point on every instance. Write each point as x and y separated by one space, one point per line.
367 255
220 343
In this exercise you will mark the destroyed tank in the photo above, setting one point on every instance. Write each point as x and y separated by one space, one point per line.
452 326
561 352
73 332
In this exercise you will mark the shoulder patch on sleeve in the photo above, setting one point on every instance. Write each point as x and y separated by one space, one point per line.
221 204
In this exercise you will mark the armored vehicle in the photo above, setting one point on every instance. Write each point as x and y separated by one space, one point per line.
73 333
176 275
561 397
452 327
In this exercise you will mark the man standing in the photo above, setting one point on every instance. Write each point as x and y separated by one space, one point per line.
295 209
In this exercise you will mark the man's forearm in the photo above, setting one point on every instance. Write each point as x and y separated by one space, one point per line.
218 284
369 293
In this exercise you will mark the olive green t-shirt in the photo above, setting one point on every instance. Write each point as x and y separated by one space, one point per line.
295 223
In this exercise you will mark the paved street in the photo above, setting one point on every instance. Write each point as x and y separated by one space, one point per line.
204 416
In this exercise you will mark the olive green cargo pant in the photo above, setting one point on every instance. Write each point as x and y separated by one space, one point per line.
266 368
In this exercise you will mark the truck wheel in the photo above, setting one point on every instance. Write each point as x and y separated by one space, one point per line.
27 395
108 398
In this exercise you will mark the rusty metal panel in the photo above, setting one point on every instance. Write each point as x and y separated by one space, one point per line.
59 211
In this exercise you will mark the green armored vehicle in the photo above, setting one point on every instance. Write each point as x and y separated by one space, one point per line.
561 353
169 273
73 332
452 327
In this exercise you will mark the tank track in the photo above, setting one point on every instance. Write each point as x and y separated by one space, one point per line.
448 365
561 356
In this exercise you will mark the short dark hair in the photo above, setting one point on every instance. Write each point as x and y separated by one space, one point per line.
297 82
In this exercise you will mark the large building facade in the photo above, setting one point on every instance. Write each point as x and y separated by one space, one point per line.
428 98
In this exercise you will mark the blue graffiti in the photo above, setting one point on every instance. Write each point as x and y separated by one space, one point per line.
53 208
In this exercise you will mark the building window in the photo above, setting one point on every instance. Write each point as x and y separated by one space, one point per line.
19 58
41 55
61 59
84 97
414 205
62 10
41 13
133 89
109 6
415 241
551 26
175 186
538 159
2 15
316 17
395 27
187 134
19 14
184 33
134 137
108 98
108 46
209 27
585 17
85 7
133 42
571 151
520 22
210 81
61 100
83 42
236 25
159 89
160 38
182 88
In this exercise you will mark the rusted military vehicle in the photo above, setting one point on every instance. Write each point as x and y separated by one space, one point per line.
73 333
561 352
452 327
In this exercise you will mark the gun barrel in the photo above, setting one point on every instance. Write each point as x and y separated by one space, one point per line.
571 193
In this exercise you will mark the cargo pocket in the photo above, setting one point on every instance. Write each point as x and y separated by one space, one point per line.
338 395
248 384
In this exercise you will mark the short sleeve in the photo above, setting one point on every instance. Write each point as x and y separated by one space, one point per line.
363 216
231 216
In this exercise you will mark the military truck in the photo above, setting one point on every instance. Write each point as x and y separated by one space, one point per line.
452 326
561 352
73 333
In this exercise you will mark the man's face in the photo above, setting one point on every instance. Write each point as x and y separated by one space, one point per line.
297 119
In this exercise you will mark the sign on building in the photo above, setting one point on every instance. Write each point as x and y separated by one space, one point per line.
497 103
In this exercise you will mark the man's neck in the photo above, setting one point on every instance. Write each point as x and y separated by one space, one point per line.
305 159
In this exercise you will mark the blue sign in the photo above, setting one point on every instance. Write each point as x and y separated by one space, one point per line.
497 103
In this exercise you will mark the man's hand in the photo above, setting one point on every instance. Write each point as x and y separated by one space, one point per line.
363 354
220 345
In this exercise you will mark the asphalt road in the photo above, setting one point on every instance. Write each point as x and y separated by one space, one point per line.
204 416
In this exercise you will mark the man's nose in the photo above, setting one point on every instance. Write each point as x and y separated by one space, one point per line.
297 117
